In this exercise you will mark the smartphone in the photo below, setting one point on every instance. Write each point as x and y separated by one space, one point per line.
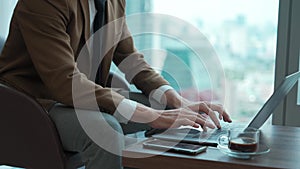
184 148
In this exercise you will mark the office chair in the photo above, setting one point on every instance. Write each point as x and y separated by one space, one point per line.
29 138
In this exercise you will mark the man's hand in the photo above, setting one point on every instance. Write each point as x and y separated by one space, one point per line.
210 109
174 118
185 112
178 117
173 99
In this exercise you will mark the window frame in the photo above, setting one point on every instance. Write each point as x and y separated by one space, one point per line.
287 61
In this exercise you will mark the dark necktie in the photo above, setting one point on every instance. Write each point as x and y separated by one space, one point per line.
99 21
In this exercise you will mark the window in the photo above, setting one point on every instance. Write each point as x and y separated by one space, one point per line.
242 34
6 9
287 61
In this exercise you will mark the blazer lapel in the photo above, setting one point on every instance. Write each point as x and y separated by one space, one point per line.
84 62
86 16
106 61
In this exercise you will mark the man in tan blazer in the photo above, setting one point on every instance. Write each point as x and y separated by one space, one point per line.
40 59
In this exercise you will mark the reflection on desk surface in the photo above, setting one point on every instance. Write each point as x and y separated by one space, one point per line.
284 143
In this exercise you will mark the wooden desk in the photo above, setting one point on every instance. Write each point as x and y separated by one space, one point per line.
284 143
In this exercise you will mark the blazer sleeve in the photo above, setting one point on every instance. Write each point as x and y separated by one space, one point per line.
133 64
43 24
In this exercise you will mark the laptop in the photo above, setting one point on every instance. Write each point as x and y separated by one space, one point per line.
210 138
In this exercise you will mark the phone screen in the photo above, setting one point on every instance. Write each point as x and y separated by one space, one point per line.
174 146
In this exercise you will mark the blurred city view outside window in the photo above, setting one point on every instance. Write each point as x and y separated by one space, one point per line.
6 10
243 35
242 32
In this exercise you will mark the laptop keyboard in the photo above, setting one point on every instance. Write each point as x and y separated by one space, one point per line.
209 138
213 135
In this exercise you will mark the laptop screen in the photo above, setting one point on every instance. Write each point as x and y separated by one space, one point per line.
278 95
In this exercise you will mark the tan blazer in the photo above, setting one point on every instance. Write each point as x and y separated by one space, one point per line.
45 39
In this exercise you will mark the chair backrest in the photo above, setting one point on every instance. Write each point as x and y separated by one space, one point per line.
28 136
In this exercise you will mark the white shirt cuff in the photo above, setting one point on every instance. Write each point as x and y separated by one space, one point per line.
125 110
159 92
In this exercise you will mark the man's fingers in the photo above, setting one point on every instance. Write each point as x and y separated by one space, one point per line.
204 107
217 107
227 117
186 122
223 115
205 121
214 118
179 117
197 118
